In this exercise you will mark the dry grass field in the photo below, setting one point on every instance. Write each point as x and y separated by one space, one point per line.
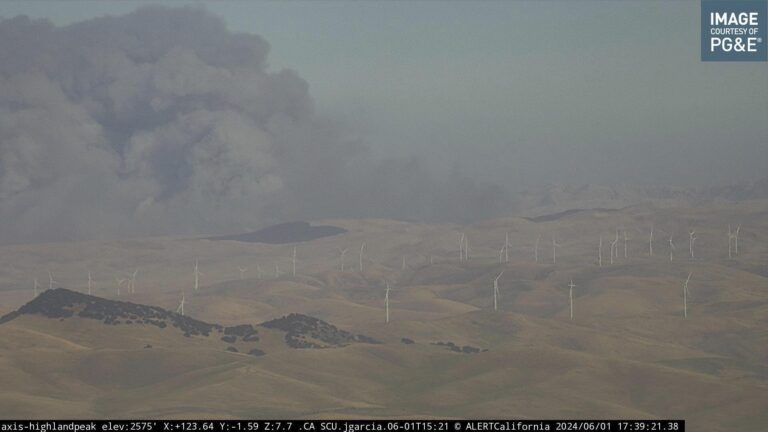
628 352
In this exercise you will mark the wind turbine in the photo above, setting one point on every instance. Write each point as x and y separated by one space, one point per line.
555 245
132 286
536 249
600 252
570 295
34 290
626 242
197 275
343 252
180 309
90 281
120 282
506 247
386 304
611 252
650 242
685 296
496 291
362 249
461 247
671 248
277 270
731 236
294 261
501 255
51 281
614 247
258 271
692 238
466 248
242 272
403 266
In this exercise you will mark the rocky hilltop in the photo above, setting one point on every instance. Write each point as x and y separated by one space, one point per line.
301 331
64 303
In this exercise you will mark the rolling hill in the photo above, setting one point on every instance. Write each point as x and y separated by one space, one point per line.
629 352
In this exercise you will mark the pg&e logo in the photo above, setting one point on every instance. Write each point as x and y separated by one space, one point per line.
733 30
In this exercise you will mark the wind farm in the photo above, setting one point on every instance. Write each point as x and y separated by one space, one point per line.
628 314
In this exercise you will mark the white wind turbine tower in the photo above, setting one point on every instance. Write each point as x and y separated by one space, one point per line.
496 291
506 247
132 286
90 281
242 272
386 304
671 248
294 261
650 243
258 271
626 242
343 252
536 249
197 275
692 238
277 270
600 252
403 266
34 290
614 247
120 282
555 245
466 248
461 247
685 296
180 309
570 295
731 236
611 252
501 255
362 249
51 281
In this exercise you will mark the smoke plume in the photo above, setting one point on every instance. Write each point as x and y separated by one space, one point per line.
164 122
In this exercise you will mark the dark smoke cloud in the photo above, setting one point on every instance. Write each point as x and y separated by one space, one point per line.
164 122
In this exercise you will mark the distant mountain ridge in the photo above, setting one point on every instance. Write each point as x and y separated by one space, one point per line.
556 198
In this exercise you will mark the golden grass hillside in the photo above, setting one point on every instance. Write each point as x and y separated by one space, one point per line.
629 352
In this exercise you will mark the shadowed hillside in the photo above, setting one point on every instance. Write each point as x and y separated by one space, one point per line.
290 232
301 331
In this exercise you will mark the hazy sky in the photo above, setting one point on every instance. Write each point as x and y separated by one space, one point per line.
518 93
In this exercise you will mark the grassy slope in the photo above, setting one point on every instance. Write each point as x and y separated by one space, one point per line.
628 353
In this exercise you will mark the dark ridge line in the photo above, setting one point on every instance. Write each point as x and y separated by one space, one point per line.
62 303
290 232
554 216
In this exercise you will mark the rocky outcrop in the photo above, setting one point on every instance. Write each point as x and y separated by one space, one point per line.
302 331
